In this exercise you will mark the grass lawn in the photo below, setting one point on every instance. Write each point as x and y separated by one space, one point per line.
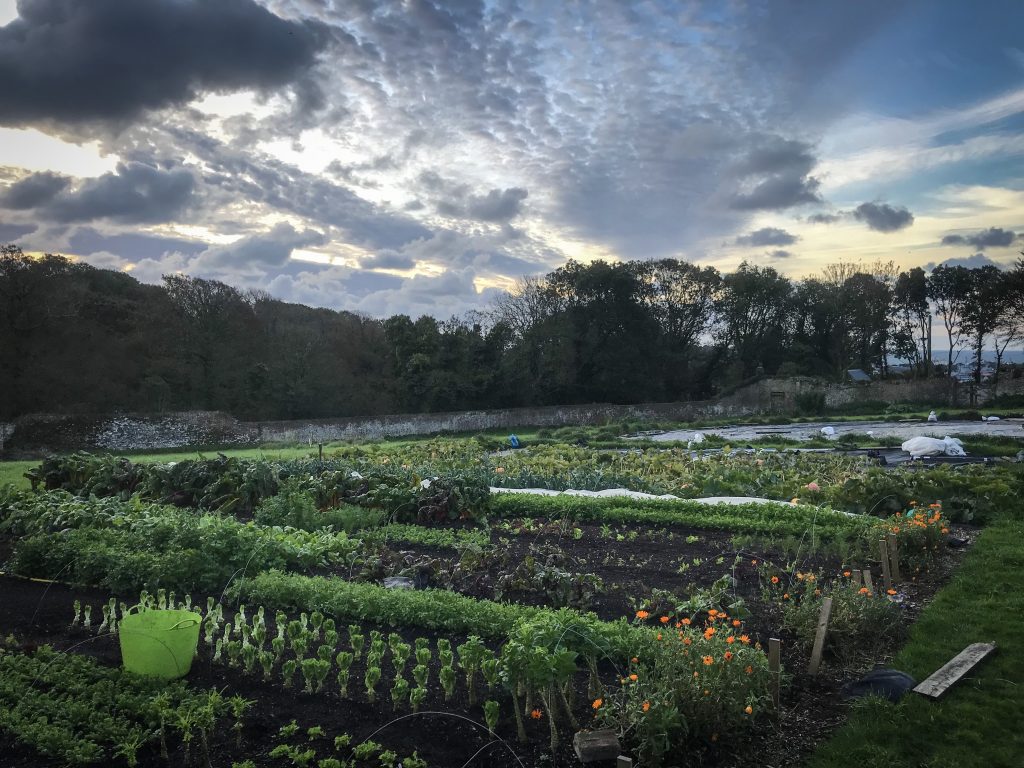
977 722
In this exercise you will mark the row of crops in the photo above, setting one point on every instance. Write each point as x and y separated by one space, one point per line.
305 546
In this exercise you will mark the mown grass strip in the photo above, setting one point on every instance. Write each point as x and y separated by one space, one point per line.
969 726
777 518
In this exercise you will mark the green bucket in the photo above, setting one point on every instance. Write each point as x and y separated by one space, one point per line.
159 643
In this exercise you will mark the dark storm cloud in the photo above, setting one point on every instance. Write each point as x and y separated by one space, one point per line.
767 236
134 193
779 254
458 201
71 61
9 233
883 217
130 245
32 191
993 237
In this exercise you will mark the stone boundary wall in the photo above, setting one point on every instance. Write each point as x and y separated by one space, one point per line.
51 433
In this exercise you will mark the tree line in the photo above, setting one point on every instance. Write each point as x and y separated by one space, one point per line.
74 338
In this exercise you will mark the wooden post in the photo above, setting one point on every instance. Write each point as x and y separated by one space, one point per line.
321 447
775 669
819 637
867 580
883 550
894 557
596 746
855 579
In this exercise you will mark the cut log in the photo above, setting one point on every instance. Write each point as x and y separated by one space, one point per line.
595 746
954 670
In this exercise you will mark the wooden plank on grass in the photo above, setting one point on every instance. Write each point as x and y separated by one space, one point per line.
775 669
819 637
953 671
596 746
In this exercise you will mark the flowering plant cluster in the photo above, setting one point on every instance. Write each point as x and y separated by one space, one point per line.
919 532
691 679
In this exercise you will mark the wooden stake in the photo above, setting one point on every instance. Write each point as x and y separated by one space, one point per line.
894 557
855 579
775 669
883 550
867 580
819 637
321 447
596 746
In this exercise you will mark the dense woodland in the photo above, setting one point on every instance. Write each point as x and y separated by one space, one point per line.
74 338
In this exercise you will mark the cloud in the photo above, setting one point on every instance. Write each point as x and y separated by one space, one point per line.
134 193
775 175
70 61
993 237
261 251
388 260
824 218
9 233
767 236
779 254
131 245
883 217
457 201
33 190
971 262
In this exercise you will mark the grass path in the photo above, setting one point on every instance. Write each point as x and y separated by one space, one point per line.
977 723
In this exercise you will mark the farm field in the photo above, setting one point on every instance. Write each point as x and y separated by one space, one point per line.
383 606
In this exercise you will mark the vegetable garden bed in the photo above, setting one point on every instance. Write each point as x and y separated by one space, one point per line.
651 618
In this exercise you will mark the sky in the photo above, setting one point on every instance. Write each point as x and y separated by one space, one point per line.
418 156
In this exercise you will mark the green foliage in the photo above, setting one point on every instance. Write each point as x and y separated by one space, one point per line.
70 708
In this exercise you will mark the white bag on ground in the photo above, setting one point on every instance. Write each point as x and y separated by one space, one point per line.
932 446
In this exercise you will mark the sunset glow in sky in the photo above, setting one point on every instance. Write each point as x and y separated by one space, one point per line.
415 156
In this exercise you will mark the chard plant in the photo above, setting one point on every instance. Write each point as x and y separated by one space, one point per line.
266 659
316 619
416 698
344 660
420 673
371 679
471 654
87 616
447 677
491 715
325 652
234 652
399 692
356 639
288 672
239 705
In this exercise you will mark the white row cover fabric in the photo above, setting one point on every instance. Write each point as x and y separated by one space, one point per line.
932 446
625 492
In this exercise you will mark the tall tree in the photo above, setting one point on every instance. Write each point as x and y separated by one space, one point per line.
951 289
754 309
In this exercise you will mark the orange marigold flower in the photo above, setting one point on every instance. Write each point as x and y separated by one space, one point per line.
713 612
730 639
775 579
945 530
745 639
659 636
890 591
633 677
537 714
686 622
687 641
785 595
708 661
645 706
728 655
663 619
597 703
846 574
863 590
642 615
736 622
749 710
634 659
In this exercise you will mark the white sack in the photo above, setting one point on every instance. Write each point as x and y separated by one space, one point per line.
932 446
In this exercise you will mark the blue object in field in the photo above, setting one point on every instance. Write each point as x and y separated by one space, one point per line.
513 441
